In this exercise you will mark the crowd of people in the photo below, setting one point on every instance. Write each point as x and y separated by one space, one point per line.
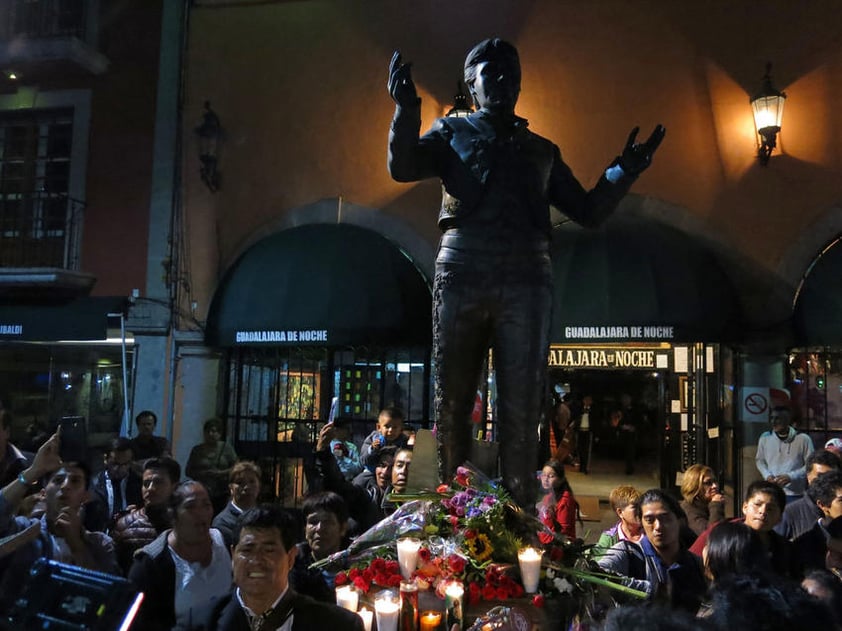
209 562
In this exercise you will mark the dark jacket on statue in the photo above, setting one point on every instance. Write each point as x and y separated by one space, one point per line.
462 152
308 615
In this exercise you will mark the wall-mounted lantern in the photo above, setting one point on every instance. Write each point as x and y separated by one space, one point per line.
209 132
768 108
461 107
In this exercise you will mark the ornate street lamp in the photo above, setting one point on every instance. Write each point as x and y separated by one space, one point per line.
209 133
768 108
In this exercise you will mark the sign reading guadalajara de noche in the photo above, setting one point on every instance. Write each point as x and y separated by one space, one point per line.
607 357
284 337
619 332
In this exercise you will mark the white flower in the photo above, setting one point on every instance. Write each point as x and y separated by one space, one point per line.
563 586
550 573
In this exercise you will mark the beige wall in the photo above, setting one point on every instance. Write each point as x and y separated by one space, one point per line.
300 90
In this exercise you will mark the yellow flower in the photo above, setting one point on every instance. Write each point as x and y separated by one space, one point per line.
480 547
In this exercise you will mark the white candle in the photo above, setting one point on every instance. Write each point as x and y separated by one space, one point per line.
386 610
453 605
347 597
408 556
530 568
366 615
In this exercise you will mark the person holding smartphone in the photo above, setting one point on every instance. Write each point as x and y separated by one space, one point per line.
59 535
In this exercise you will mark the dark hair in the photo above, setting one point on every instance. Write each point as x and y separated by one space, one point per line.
492 49
267 516
824 457
387 452
83 466
326 501
754 601
558 467
654 618
121 443
180 494
830 584
734 548
660 495
771 489
823 488
5 418
144 414
392 412
213 422
167 464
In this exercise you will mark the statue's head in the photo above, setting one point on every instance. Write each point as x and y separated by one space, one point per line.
492 74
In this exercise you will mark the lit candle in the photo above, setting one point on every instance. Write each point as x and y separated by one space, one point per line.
430 620
386 610
453 605
408 555
366 615
347 597
530 568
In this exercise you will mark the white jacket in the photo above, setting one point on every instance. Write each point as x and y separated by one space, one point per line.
785 457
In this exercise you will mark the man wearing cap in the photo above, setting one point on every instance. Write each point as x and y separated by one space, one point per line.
493 278
834 445
782 454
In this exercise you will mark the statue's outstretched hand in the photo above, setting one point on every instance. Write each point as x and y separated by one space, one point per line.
401 87
636 158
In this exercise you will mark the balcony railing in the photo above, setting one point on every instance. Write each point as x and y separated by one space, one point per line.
40 230
43 19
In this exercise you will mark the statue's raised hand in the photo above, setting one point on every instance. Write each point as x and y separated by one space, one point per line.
401 87
637 157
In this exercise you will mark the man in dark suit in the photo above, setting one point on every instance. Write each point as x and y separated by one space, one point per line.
262 599
114 489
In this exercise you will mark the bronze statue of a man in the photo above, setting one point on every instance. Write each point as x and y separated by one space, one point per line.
493 279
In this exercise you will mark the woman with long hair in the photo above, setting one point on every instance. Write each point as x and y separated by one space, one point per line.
557 510
703 502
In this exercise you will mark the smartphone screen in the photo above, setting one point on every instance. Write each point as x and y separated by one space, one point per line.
74 443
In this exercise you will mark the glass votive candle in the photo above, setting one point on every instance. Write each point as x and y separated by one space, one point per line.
408 555
367 616
430 620
386 611
347 597
453 594
529 560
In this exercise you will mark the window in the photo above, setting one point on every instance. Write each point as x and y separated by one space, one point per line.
37 216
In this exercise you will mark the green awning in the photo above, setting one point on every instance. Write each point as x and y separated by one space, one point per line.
639 280
321 285
82 319
817 318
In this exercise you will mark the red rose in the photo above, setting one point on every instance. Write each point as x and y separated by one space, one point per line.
394 580
489 593
340 579
556 553
442 488
517 590
456 563
361 584
454 521
354 573
378 564
470 533
502 593
538 600
392 566
424 555
368 573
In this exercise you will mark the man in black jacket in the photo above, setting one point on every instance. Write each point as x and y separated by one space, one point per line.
263 599
493 280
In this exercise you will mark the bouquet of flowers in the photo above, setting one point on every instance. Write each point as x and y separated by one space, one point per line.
471 532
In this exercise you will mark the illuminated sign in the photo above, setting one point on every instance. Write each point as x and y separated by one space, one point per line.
11 329
618 357
274 337
619 332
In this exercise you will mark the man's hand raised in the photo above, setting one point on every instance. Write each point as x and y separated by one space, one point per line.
401 87
636 158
